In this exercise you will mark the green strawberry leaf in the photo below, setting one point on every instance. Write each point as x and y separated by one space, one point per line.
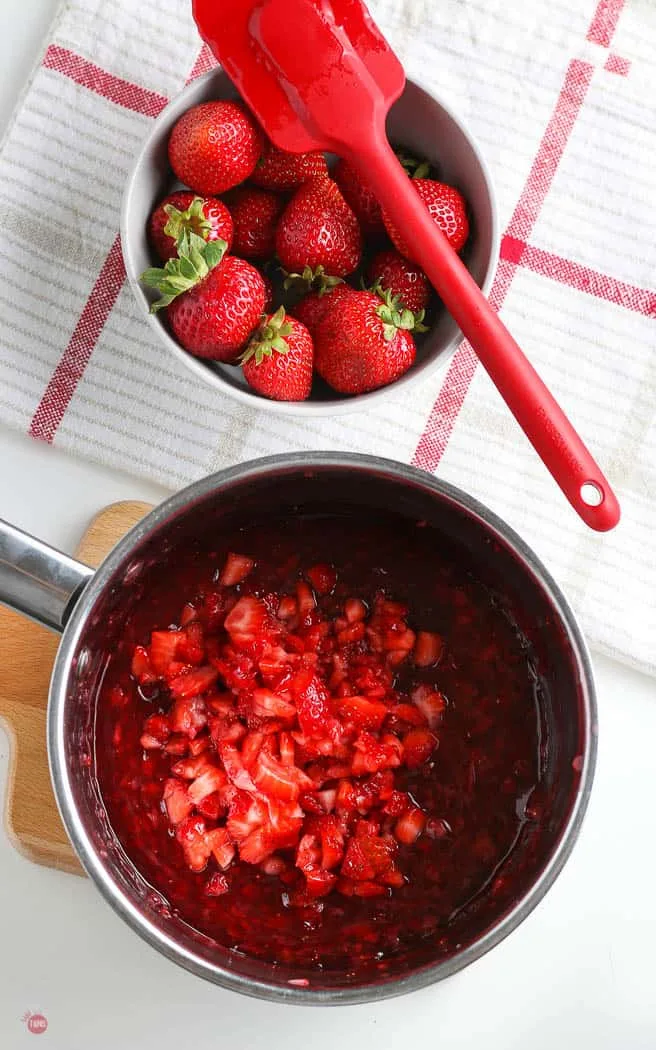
396 317
269 337
196 258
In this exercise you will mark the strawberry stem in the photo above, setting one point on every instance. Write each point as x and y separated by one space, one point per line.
192 220
269 338
416 169
196 257
310 280
395 316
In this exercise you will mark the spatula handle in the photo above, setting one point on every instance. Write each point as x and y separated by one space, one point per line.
538 414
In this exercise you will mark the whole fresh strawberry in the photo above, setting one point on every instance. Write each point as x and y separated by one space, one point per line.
446 208
215 146
278 359
282 171
206 216
391 272
312 308
363 343
317 228
213 301
359 197
255 217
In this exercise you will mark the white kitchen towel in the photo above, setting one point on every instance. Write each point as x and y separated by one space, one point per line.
562 96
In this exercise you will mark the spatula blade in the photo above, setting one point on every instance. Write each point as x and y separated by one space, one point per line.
226 26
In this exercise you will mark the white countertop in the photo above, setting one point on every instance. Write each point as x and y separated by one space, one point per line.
579 972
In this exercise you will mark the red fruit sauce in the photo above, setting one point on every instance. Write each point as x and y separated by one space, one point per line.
456 805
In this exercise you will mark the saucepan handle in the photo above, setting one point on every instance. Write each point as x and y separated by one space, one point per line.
38 580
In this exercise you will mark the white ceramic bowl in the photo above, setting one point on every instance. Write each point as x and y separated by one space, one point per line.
422 123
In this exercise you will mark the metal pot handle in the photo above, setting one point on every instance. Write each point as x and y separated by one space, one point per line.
38 580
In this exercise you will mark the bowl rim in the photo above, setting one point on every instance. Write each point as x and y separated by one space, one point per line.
424 371
88 853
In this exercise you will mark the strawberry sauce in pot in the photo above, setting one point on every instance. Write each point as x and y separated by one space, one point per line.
364 728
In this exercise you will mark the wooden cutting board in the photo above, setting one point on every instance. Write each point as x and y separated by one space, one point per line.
28 652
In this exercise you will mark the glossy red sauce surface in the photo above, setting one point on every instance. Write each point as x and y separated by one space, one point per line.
475 789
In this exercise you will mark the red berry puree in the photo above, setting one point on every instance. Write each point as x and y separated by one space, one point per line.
319 740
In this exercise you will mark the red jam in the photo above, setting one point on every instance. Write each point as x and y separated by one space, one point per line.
319 740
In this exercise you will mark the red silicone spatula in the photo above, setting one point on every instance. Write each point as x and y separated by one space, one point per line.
319 75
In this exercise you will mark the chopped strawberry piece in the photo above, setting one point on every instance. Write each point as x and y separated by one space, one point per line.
267 705
245 813
332 842
328 799
221 704
418 746
274 664
393 877
222 847
199 744
212 806
397 804
308 853
216 606
312 702
193 682
346 799
354 632
141 666
408 713
430 702
409 827
248 622
256 847
156 732
369 889
311 803
314 636
163 650
305 600
319 883
250 748
357 864
236 568
372 754
273 865
355 610
190 768
177 801
287 608
191 646
210 780
364 713
192 836
216 885
279 781
287 749
322 577
365 829
177 745
189 613
188 715
428 649
235 768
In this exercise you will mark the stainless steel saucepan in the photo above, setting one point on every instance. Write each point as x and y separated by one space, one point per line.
91 609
